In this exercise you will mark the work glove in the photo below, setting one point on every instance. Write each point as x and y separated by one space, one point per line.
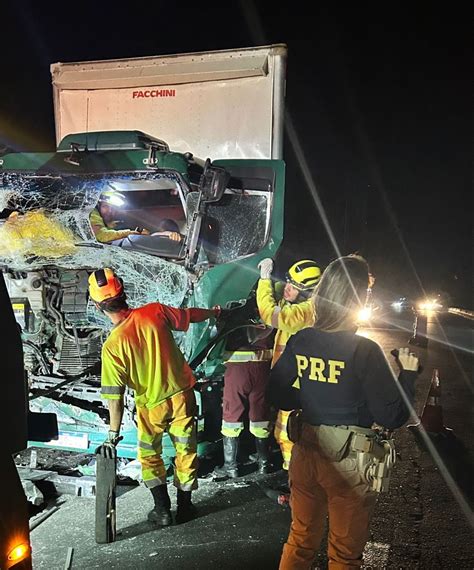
407 360
266 268
108 448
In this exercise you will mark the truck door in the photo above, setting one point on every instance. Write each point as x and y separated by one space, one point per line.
236 232
247 221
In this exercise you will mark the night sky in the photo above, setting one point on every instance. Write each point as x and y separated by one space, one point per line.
380 98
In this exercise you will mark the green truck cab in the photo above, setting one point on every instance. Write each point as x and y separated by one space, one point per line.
230 216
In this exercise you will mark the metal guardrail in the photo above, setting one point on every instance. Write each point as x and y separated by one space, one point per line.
461 312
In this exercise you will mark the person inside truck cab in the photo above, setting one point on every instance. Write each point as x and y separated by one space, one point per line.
103 221
169 228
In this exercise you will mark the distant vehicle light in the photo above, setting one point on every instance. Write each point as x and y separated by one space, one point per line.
429 305
19 552
401 304
364 315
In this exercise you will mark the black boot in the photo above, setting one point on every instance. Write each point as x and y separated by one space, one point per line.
229 469
263 453
161 514
186 510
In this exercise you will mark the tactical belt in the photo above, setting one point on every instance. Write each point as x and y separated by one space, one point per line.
360 439
363 439
375 457
248 355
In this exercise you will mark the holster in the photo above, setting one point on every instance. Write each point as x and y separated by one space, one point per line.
294 426
376 465
375 457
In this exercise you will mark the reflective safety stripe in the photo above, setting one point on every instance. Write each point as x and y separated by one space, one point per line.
248 355
112 389
150 483
181 439
233 425
275 315
260 424
144 445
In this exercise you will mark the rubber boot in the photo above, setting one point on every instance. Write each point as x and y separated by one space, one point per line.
186 511
229 469
263 453
161 514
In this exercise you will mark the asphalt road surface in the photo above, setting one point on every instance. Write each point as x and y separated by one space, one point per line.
420 523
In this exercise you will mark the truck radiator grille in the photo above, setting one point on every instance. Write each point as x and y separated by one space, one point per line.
78 356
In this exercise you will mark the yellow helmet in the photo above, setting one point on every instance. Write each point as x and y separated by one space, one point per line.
113 198
304 274
104 285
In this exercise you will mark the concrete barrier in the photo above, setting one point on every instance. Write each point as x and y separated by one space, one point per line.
461 312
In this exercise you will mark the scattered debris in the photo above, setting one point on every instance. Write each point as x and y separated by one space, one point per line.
280 495
27 474
238 484
68 563
132 469
88 468
69 485
62 484
41 518
33 459
33 494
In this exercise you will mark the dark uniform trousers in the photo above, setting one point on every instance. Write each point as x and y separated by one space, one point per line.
245 387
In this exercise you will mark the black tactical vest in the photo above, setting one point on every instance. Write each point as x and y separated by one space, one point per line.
331 392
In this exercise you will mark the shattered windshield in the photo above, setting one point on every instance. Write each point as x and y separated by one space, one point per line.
45 223
50 217
148 206
236 226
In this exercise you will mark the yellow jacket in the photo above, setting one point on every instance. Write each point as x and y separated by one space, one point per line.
288 318
141 353
102 232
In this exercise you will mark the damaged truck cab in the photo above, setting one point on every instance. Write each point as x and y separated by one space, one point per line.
226 215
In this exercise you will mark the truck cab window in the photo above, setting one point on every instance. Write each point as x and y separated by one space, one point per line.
142 215
236 226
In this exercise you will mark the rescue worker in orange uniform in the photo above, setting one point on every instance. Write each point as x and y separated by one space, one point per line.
347 391
140 353
286 308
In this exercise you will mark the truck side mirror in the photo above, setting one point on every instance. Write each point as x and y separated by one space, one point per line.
213 183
